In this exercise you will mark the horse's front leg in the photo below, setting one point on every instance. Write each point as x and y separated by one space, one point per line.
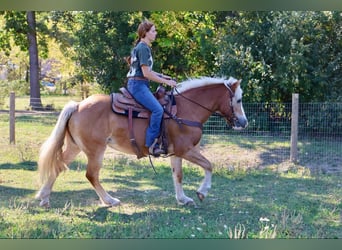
177 175
196 157
92 174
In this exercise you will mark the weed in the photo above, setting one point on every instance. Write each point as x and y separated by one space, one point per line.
238 233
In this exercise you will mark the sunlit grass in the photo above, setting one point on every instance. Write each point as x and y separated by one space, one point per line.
295 205
55 101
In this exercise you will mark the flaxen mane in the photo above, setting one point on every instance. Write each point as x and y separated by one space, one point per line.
201 82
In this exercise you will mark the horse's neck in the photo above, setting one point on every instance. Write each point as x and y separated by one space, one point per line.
203 103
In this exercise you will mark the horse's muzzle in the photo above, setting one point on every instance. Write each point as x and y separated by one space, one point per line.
240 123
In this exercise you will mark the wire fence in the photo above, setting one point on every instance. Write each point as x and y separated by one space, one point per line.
266 142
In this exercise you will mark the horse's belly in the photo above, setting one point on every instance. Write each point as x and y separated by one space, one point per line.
119 146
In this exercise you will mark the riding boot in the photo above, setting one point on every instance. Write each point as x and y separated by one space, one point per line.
155 149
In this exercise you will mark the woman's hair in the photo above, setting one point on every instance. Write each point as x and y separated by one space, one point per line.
143 28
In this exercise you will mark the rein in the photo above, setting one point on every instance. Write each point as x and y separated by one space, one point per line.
231 93
204 107
181 121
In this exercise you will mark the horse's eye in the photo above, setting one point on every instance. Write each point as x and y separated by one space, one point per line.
239 101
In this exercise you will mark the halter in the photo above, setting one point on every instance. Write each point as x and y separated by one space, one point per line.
231 93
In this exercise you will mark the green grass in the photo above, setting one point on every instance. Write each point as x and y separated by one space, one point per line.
244 202
296 204
56 101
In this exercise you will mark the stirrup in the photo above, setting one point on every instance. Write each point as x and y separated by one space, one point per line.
155 149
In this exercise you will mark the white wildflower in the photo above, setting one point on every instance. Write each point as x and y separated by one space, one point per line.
262 219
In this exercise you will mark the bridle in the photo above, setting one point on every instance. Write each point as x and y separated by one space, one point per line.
231 94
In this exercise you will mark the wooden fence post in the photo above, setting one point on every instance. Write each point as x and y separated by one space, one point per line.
294 128
12 118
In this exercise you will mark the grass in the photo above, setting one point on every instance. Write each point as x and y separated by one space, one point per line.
242 204
55 101
245 201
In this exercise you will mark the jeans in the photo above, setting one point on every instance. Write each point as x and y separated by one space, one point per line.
140 90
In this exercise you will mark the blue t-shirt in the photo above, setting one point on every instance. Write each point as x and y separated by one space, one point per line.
141 55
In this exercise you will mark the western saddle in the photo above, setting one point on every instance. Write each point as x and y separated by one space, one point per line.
124 104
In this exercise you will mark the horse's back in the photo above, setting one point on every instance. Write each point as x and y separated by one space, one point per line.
94 126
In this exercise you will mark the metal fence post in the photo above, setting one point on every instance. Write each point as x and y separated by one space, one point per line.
12 118
294 128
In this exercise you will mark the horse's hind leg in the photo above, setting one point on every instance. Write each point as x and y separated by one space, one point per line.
93 171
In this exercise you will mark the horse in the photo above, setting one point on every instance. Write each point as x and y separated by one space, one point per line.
91 125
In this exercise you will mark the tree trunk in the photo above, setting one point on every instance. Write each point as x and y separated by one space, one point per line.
35 101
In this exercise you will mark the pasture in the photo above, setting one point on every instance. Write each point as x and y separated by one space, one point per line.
277 201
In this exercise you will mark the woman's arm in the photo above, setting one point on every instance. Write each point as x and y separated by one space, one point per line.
156 77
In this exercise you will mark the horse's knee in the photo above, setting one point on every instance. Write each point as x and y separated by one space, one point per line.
92 177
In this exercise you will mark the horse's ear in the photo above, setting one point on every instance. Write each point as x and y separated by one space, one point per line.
236 84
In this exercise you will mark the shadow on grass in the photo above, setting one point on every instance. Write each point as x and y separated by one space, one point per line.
24 165
9 193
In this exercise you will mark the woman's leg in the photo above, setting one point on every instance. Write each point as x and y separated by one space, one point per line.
141 92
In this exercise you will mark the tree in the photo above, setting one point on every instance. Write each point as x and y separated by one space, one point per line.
185 46
278 53
35 100
21 27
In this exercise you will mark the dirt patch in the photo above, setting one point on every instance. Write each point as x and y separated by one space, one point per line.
233 157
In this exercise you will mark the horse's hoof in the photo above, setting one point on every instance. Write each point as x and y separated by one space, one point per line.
112 203
200 196
118 203
188 202
45 204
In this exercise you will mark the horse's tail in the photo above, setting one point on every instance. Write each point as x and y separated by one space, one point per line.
50 162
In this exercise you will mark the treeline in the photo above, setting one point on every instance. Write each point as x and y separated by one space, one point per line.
276 53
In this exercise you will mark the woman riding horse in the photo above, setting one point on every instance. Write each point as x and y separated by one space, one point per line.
91 125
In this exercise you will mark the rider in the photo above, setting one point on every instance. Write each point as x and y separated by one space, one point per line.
139 75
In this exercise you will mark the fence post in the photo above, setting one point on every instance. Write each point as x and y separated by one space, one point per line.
294 128
12 118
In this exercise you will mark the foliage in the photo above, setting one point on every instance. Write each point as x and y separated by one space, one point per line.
19 87
280 53
276 53
102 40
184 46
16 27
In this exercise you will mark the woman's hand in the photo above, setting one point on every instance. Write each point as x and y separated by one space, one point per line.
170 82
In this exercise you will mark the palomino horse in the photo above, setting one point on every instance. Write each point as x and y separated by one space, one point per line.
91 125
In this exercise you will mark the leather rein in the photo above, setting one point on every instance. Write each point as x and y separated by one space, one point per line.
231 93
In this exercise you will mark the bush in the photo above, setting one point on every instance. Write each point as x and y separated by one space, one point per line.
18 86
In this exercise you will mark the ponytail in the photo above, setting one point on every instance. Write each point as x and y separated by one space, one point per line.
143 27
